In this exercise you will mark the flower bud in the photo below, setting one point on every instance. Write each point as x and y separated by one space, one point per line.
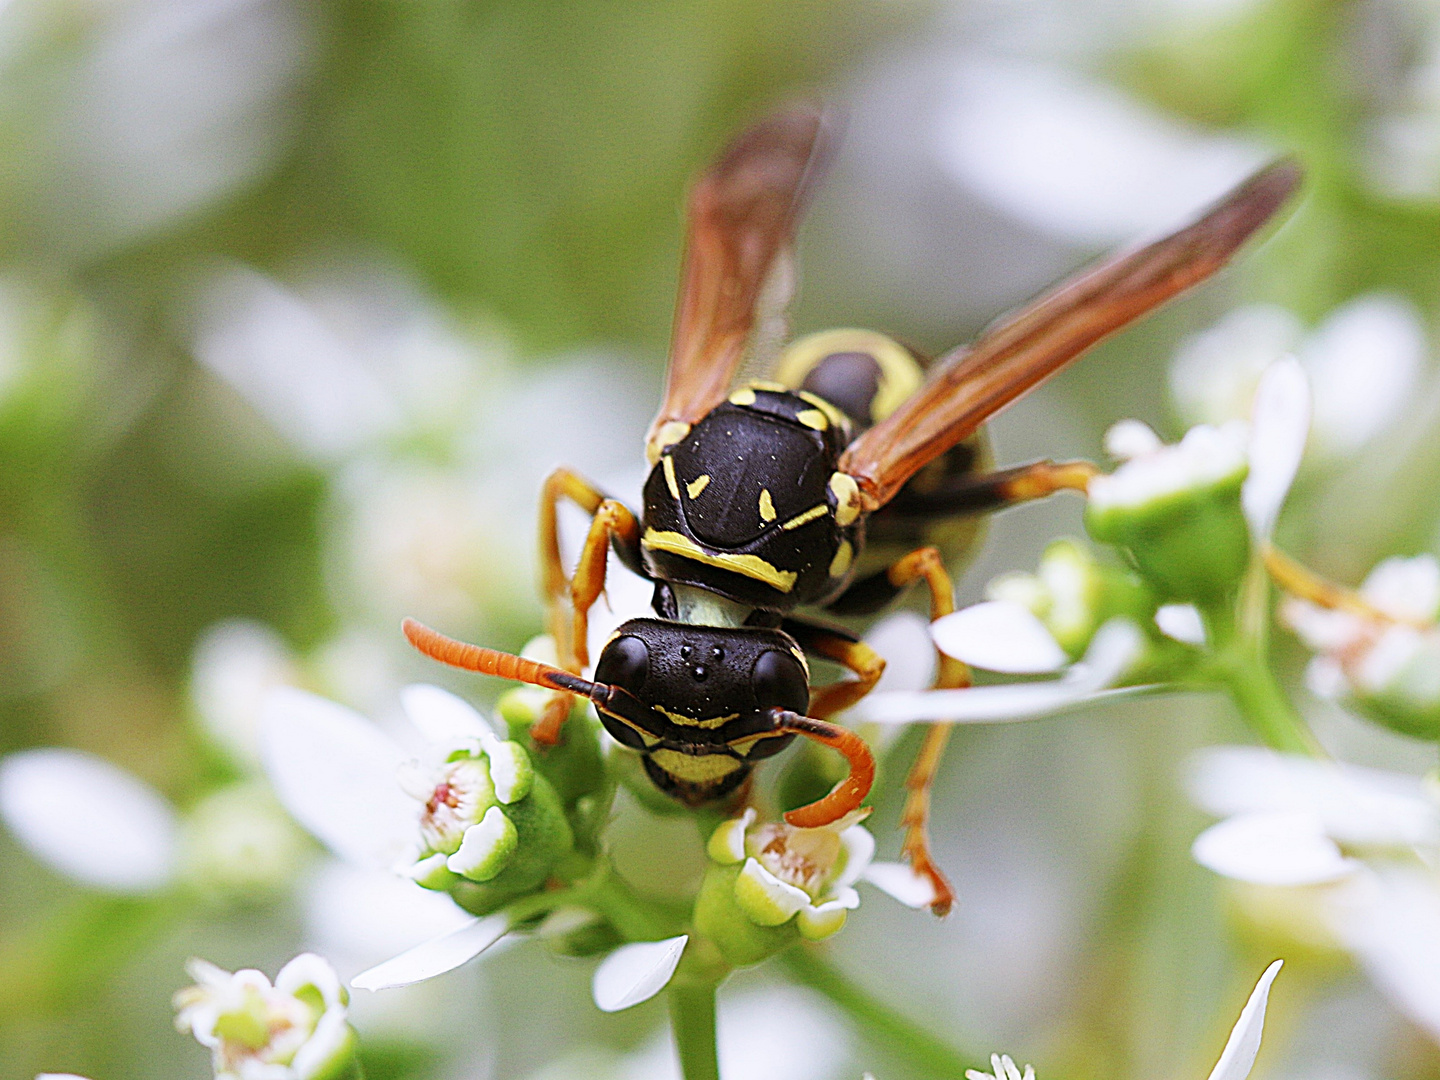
1176 512
238 843
293 1030
1074 594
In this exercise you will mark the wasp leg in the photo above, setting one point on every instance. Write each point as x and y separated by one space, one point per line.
1300 581
842 647
610 523
980 493
915 817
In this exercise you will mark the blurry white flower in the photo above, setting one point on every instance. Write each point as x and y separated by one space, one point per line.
1364 362
1387 665
90 820
1002 1067
237 841
293 1030
342 779
1080 159
1116 647
635 973
236 663
159 108
1236 1060
1360 845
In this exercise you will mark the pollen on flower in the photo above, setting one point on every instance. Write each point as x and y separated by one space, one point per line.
458 799
804 858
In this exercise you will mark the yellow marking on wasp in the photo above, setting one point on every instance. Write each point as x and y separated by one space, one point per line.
837 418
690 721
805 518
668 464
767 505
671 432
804 663
751 566
696 768
745 396
699 484
843 556
773 387
847 498
813 418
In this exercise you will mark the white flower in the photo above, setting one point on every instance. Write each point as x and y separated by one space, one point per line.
236 664
293 1030
1115 648
1388 661
1236 1060
342 779
1363 361
809 874
1356 847
1205 456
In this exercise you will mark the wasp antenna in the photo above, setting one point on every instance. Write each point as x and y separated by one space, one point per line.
850 792
504 665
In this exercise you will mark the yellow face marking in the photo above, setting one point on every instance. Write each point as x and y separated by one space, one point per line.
751 566
804 664
696 768
671 432
847 498
690 721
843 556
699 484
805 518
767 505
813 418
745 396
668 464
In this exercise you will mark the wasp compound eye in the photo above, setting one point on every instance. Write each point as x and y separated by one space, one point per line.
625 663
778 681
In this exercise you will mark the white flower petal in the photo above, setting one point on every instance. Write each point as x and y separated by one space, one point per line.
1238 1057
444 718
1128 439
1078 157
635 973
366 916
1363 807
237 663
999 636
903 640
1280 425
902 883
1215 372
1363 361
335 772
435 957
1272 849
1181 622
859 847
308 969
1114 649
325 1050
766 899
60 1076
1390 920
89 820
1206 456
1405 588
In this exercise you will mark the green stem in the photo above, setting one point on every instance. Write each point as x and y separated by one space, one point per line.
1240 640
692 1018
888 1029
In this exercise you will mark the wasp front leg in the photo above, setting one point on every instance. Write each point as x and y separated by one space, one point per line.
846 650
611 522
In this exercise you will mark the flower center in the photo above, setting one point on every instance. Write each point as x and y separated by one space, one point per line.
459 799
805 858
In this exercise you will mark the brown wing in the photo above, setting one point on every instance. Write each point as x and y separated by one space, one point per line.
742 217
972 384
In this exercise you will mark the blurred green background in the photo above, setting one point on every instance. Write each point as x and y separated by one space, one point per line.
300 300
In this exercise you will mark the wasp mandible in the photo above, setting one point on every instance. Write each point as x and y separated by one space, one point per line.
761 497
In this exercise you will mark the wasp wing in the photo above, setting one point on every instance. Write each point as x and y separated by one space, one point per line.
742 218
972 384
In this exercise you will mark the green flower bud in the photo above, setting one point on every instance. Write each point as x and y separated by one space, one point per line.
1074 594
1176 512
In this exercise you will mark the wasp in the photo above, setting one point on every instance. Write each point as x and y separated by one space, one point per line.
761 496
